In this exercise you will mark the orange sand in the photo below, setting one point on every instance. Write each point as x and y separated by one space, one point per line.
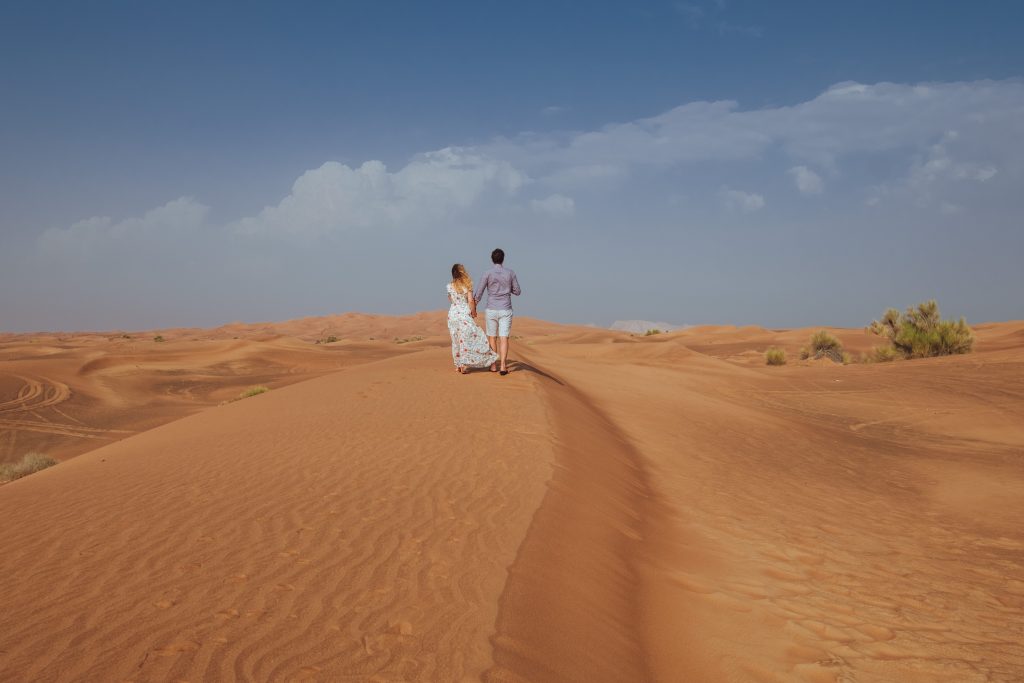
660 508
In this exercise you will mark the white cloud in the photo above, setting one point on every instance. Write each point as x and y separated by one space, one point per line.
738 200
336 198
807 181
939 164
948 138
847 119
554 205
166 223
552 110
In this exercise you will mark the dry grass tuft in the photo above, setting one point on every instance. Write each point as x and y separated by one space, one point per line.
774 356
253 391
29 464
880 354
825 345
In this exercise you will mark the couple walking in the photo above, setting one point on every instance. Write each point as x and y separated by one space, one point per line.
470 348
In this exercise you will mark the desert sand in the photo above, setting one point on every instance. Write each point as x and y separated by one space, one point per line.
662 508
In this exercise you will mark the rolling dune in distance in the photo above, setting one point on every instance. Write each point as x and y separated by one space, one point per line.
662 508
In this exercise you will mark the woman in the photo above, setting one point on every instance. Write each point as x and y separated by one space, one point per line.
469 344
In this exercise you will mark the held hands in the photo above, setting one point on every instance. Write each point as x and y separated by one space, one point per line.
472 311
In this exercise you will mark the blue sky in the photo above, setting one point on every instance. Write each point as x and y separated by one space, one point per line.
787 163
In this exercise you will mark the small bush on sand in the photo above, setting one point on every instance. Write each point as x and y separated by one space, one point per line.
774 356
407 340
922 333
30 463
327 340
825 345
805 353
252 391
159 338
652 331
879 354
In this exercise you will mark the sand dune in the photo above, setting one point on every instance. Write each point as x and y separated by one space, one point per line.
660 508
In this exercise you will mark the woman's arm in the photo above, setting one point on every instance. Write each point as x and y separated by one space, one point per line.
472 304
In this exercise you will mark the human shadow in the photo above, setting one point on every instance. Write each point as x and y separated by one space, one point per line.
521 366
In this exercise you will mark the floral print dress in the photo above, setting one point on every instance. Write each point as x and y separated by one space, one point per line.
469 343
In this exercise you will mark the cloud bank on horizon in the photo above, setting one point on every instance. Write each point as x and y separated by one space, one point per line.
887 163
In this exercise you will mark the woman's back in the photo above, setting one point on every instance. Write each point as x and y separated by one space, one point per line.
460 300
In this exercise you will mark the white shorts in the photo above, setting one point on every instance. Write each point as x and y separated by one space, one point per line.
499 323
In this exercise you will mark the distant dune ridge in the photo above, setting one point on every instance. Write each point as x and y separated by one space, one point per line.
641 326
659 508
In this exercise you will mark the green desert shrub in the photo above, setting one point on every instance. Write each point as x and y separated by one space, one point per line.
825 345
30 463
774 356
922 333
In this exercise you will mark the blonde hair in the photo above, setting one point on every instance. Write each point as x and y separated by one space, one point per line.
460 279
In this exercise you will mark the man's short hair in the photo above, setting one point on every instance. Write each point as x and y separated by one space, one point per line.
497 256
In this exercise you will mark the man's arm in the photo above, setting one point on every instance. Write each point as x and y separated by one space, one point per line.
515 284
480 287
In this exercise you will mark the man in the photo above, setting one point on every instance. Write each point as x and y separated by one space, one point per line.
500 283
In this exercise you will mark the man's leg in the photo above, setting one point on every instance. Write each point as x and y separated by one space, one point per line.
503 352
492 335
504 330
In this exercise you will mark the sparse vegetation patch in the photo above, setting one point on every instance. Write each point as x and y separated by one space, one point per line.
880 354
922 333
253 391
29 464
159 338
652 331
407 340
826 345
774 356
327 340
